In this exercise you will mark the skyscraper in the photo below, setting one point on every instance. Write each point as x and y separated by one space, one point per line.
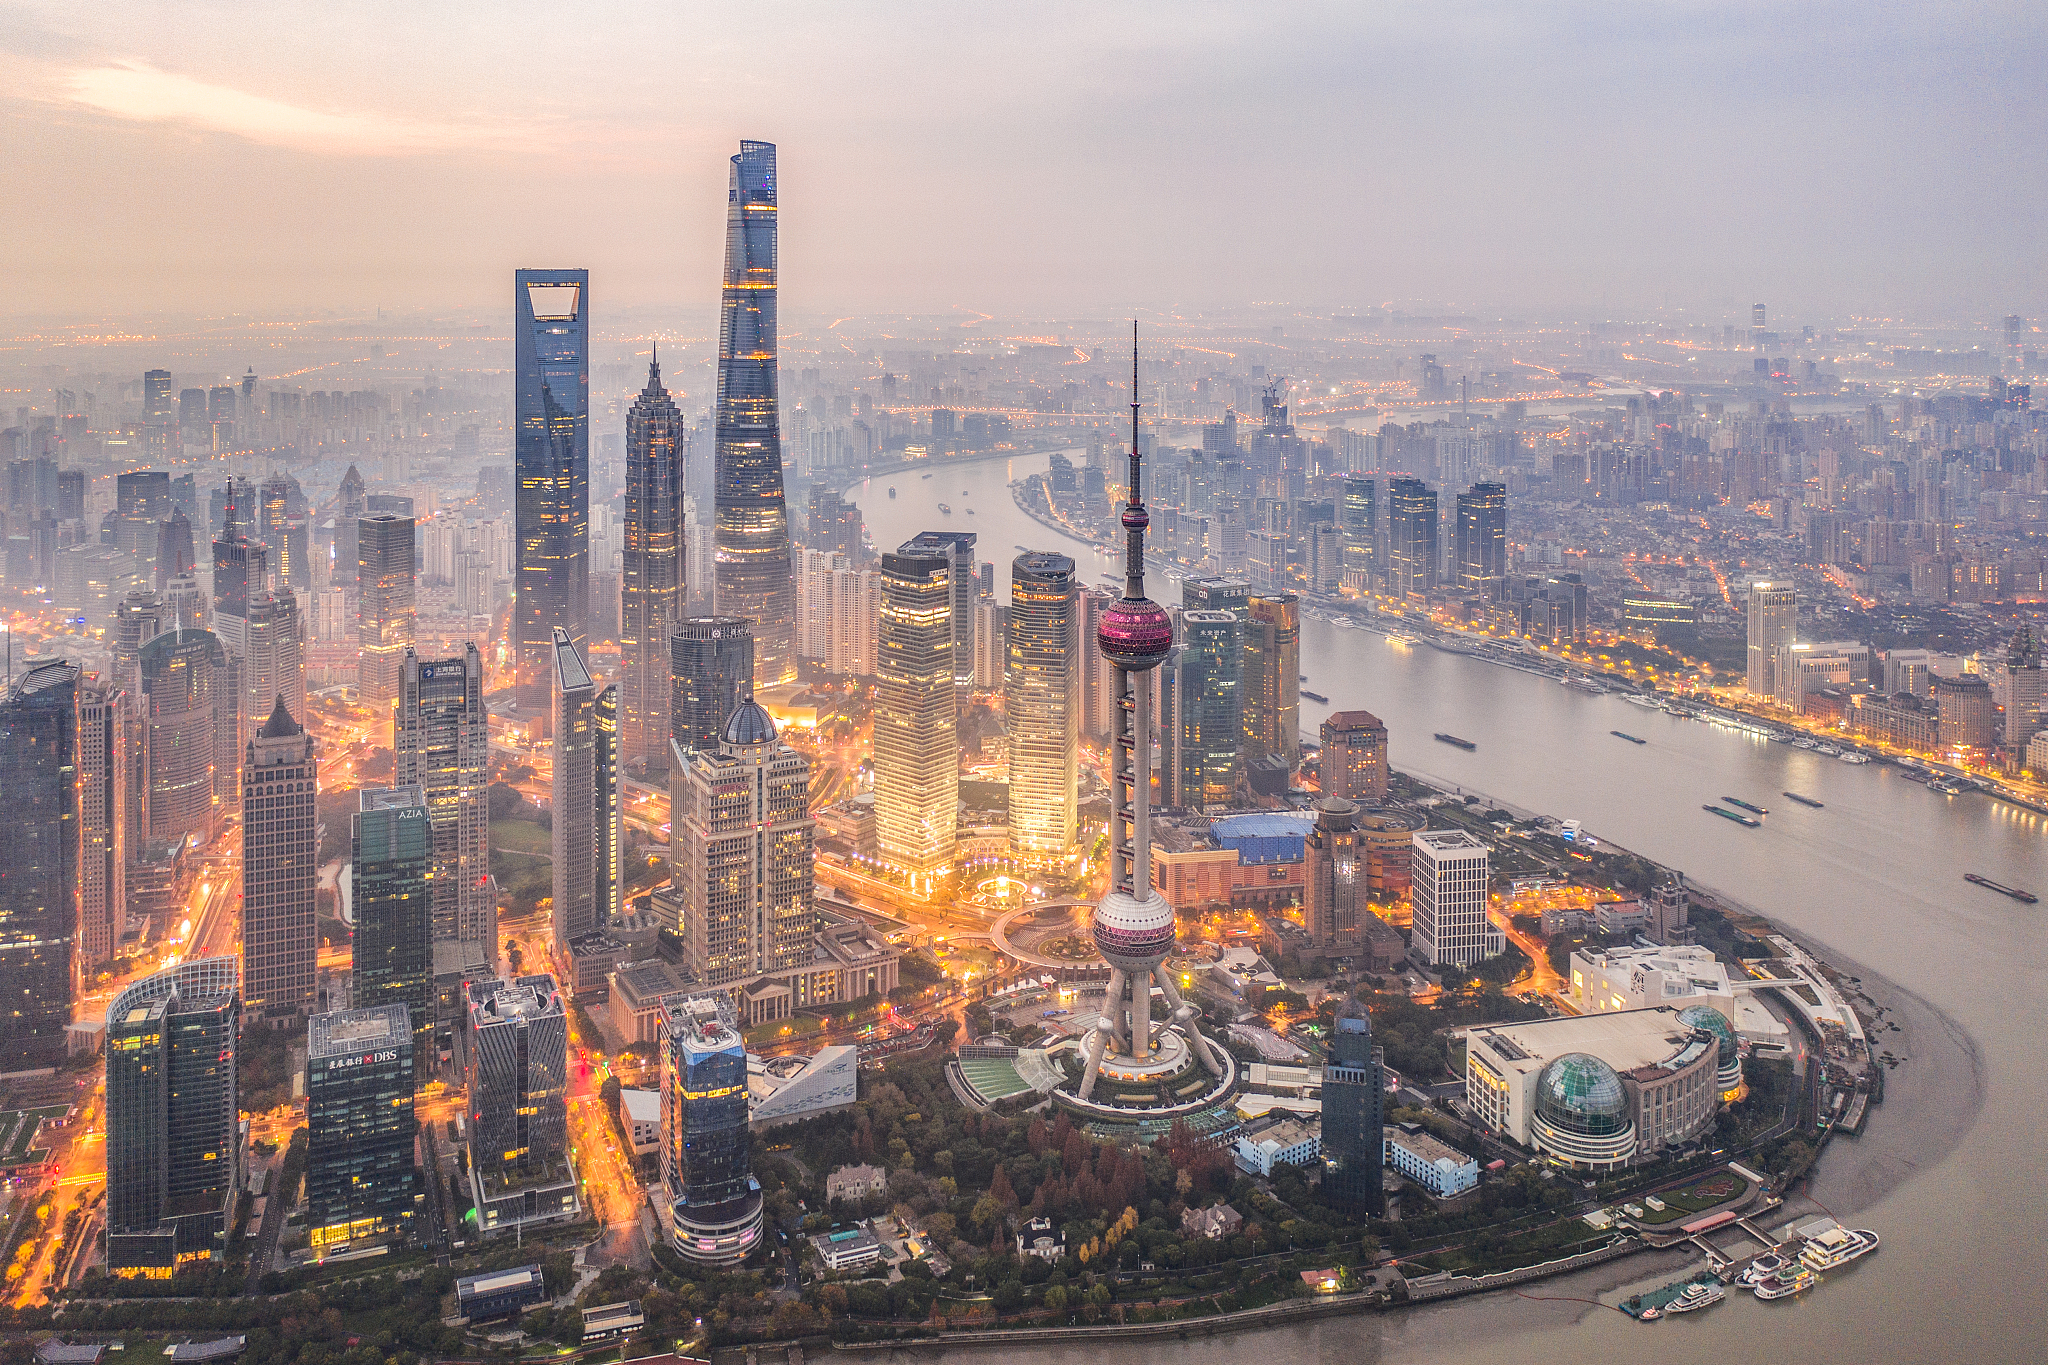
173 547
651 578
1354 1112
387 620
1773 625
585 800
958 547
360 1125
1272 679
1482 539
191 709
551 406
516 1066
1354 756
39 864
1233 595
2023 695
1208 711
279 851
353 503
1449 872
174 1150
273 657
241 569
711 667
753 572
1336 877
916 745
105 769
706 1152
1357 518
1411 537
740 848
441 742
392 879
1042 703
159 416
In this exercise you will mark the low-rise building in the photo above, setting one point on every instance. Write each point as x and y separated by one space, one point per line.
1608 979
1275 1141
1215 1222
1436 1166
856 1182
603 1321
499 1293
1041 1239
783 1089
1246 861
848 1248
640 1115
637 990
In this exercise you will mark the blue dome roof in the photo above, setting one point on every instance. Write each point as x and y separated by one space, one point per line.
749 724
1579 1093
1714 1022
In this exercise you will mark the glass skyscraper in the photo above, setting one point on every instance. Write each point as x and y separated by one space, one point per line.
551 519
280 844
1482 539
706 1152
1357 519
916 744
1042 703
360 1123
386 571
1411 537
958 547
583 798
1354 1104
711 666
1272 678
651 577
441 737
39 864
516 1065
393 890
1209 710
752 578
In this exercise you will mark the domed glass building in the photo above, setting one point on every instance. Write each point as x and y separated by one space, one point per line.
1706 1017
1582 1112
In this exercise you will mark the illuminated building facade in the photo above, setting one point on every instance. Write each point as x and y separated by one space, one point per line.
1041 704
39 864
105 772
1357 519
279 854
1354 756
752 578
711 669
516 1066
1208 712
1272 678
1336 877
706 1151
651 577
441 740
273 657
1411 537
191 709
917 753
585 800
174 1151
551 468
1482 539
1773 625
392 880
388 621
360 1125
958 547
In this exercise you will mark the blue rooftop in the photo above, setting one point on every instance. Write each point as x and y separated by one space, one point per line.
1264 836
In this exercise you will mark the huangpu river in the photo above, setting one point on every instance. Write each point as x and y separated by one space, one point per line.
1952 1170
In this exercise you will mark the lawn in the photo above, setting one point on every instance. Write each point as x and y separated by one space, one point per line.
1705 1193
521 836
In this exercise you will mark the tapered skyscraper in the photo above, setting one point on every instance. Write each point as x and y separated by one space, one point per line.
551 406
651 584
752 577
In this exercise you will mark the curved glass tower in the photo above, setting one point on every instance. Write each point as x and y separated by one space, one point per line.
551 405
752 578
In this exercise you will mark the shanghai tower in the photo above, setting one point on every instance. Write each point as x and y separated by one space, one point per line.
551 378
752 576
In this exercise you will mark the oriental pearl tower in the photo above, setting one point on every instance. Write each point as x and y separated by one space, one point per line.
1133 927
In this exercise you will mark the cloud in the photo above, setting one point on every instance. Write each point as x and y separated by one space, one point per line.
136 90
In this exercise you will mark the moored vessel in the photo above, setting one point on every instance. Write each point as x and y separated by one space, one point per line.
1731 815
1786 1283
1696 1296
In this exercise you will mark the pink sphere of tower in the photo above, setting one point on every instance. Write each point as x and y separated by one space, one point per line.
1135 634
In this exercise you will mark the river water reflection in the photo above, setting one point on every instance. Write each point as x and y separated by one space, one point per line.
1951 1169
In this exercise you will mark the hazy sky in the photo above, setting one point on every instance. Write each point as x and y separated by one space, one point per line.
1840 155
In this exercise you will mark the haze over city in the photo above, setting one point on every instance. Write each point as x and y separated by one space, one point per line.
1584 159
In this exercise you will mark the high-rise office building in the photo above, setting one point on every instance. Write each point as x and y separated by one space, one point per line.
753 579
273 666
105 773
191 709
1482 539
706 1151
1272 679
39 863
1354 756
1773 625
1208 711
441 742
1448 869
361 1180
2023 695
1358 520
1411 537
585 806
387 619
137 621
392 879
173 547
1967 714
711 667
958 547
353 502
159 416
651 585
551 406
241 569
991 644
1354 1112
916 745
1233 595
1041 704
174 1149
516 1065
1336 878
834 524
740 848
279 853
